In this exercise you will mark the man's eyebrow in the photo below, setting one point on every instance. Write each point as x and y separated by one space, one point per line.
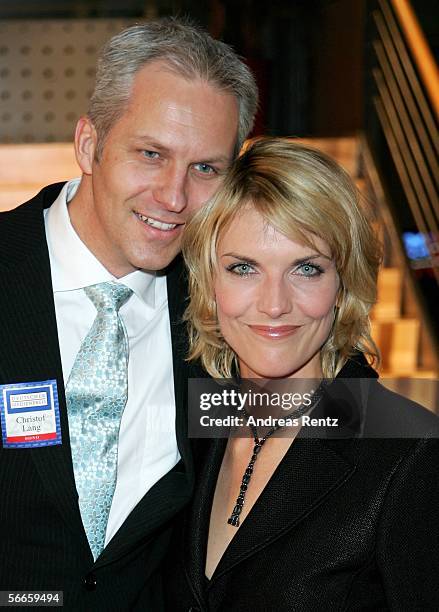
150 143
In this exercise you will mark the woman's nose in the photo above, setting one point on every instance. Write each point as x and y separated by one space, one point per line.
275 298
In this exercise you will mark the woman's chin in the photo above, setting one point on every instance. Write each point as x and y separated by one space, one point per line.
267 371
281 368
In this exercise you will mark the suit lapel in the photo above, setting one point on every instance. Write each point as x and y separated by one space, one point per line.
30 334
177 298
309 472
196 528
160 504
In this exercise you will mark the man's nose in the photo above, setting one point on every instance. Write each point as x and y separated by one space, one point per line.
170 192
275 297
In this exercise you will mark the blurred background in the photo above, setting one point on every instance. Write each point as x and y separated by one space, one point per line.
356 78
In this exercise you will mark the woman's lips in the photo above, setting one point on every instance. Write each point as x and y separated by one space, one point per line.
280 331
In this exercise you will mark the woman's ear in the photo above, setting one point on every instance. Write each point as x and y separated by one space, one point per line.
85 144
340 296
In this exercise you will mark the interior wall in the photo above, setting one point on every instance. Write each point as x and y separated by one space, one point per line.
337 93
47 72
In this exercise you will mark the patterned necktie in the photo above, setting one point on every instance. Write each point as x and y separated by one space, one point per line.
97 392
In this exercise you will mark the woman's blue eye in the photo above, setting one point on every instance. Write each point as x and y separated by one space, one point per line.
242 269
308 269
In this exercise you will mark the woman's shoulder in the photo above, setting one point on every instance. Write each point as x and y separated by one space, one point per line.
400 416
383 412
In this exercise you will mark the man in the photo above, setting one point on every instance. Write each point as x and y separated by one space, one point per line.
92 373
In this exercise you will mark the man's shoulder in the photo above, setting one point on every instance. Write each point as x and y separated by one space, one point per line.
43 199
22 228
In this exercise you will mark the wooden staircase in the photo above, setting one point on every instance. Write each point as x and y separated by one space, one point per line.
398 336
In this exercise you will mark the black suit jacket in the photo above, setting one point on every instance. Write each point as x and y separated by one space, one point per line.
343 524
42 543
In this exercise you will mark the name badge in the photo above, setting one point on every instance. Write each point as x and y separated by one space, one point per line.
30 414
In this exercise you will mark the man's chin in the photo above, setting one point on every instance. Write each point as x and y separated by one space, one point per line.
157 264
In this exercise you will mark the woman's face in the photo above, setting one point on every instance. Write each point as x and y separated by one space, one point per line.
275 299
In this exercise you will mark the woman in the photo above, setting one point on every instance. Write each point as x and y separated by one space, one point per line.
283 267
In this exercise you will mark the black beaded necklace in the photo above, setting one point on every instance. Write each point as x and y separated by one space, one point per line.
259 443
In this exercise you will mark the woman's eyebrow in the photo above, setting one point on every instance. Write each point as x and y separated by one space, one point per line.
296 262
249 260
310 257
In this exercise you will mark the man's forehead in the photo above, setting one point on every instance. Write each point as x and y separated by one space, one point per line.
162 70
165 111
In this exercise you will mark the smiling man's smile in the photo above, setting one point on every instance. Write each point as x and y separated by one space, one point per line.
161 225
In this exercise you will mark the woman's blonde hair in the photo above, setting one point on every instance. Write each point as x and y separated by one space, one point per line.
302 193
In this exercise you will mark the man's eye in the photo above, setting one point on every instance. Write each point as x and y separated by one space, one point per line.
205 168
242 269
150 154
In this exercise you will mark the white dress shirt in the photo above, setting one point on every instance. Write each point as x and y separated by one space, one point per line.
147 447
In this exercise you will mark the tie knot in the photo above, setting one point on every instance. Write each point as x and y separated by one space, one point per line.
108 296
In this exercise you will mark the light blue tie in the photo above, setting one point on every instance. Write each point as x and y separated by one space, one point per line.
97 392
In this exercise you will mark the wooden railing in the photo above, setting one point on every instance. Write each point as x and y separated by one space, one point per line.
406 115
403 137
420 50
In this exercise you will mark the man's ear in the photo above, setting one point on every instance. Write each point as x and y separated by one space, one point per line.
85 144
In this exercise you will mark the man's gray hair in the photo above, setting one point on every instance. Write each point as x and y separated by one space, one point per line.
185 48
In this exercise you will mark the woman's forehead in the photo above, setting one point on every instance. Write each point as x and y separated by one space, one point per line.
250 226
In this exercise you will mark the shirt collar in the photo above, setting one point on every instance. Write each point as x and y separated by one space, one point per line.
73 265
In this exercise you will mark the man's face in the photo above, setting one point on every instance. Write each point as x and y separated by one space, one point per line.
161 161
